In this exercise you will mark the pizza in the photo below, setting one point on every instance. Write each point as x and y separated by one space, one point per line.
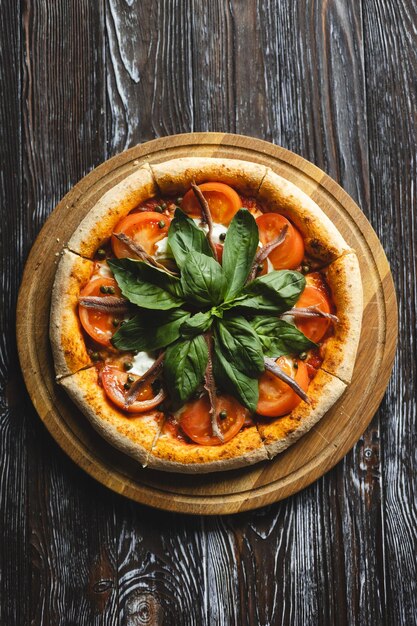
205 314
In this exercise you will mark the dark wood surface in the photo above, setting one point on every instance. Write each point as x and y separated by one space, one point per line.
333 81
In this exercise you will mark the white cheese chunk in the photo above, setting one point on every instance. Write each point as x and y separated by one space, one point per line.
141 363
162 250
104 270
218 229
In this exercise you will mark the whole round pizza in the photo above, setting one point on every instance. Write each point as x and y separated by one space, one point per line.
205 314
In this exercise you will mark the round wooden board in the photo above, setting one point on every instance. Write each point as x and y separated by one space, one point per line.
228 492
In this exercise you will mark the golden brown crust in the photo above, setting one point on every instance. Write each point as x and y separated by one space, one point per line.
68 345
344 279
322 240
176 176
132 434
172 455
116 203
279 433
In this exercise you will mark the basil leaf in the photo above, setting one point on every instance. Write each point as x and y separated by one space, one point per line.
184 236
196 324
229 378
278 337
149 332
147 286
241 345
202 279
239 251
184 367
274 292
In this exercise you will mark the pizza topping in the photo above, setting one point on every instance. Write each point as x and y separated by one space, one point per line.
222 200
148 377
118 388
210 387
205 211
265 250
316 321
140 252
141 363
311 311
218 318
290 253
162 251
97 323
196 423
112 304
226 303
143 229
277 396
273 367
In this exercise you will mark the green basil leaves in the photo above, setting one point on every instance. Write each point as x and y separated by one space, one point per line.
150 330
184 237
179 314
279 337
239 251
146 286
202 280
184 367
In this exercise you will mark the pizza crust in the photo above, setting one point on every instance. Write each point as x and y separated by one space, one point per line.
132 434
176 176
278 434
99 223
172 455
322 240
68 345
344 279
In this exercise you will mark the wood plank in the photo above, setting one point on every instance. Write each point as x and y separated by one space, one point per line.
14 546
315 71
391 61
160 558
71 525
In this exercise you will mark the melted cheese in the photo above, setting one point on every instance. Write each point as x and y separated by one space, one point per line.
141 363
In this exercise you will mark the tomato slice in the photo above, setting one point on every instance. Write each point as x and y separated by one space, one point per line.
144 228
97 324
276 398
290 253
314 327
223 201
113 381
219 251
195 419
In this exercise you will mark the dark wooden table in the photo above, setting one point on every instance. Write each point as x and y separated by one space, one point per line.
334 81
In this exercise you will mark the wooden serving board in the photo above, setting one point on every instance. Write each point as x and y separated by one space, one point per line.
228 492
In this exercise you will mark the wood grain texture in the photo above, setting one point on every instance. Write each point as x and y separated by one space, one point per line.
333 81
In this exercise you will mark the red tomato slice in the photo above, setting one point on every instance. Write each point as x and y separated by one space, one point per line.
144 228
113 381
276 398
290 253
223 201
314 327
219 250
195 419
97 324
